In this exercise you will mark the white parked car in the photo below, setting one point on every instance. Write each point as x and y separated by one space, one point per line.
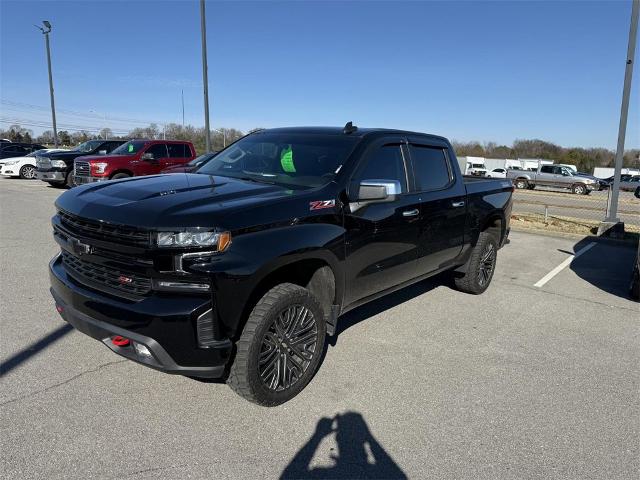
23 167
497 173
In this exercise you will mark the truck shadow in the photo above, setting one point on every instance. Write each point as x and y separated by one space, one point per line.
387 302
607 266
357 454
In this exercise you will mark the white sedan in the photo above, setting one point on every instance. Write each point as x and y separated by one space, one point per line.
23 167
497 173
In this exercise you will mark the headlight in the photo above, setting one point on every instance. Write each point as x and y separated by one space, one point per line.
99 167
58 163
12 162
220 240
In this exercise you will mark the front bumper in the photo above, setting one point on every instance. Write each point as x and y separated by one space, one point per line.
78 180
52 176
165 324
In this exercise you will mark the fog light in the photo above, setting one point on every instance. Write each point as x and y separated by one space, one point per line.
142 350
59 309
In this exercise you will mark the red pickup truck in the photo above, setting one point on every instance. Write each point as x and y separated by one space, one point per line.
132 159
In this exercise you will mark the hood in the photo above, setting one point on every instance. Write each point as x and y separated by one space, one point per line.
169 201
10 159
107 157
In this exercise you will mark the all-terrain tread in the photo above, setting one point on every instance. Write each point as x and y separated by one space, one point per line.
237 379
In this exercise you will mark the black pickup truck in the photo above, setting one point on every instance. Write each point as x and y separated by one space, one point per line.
56 168
240 270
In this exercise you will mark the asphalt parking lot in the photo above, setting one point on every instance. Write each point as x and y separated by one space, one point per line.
520 382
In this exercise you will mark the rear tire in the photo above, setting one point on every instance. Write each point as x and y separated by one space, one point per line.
481 266
521 183
120 175
68 181
280 347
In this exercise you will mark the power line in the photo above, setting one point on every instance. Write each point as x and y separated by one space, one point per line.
76 113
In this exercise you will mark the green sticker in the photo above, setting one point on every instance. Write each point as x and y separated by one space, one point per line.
130 148
286 160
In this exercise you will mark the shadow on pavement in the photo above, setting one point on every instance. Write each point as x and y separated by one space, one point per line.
358 453
382 304
33 349
607 266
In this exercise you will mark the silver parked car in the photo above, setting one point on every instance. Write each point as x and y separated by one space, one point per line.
554 176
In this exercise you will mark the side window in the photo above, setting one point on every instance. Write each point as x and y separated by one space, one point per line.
385 163
159 150
177 150
109 146
546 169
430 167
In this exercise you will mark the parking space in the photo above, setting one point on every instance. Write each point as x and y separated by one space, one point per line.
520 382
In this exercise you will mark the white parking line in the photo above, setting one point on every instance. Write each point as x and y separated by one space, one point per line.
562 266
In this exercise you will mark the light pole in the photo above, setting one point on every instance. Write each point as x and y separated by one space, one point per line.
205 79
45 30
611 218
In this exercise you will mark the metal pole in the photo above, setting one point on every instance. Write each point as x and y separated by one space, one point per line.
53 105
182 94
614 193
205 80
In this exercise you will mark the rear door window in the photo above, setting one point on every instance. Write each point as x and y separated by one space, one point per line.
178 150
430 167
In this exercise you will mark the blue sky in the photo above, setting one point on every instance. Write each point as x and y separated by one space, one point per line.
488 71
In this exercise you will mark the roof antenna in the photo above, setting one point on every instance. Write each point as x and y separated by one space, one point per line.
349 128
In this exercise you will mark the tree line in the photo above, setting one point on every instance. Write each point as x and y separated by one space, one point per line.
170 131
585 159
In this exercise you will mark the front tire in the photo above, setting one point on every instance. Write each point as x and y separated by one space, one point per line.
280 347
28 172
579 189
481 266
120 175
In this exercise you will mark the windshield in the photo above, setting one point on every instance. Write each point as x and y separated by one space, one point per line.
201 159
292 160
129 148
89 146
477 165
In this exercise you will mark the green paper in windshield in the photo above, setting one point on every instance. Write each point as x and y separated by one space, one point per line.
286 160
130 148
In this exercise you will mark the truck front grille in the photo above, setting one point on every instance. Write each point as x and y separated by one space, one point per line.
96 276
82 169
104 231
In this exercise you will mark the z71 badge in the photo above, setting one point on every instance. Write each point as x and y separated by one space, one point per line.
321 204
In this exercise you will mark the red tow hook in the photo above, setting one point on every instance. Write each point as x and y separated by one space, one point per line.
120 341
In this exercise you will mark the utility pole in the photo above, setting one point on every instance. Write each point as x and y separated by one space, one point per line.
205 79
45 30
182 94
611 218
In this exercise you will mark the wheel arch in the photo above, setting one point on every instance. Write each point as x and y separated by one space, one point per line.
313 272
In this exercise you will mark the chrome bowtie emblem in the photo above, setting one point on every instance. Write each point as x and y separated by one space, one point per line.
78 247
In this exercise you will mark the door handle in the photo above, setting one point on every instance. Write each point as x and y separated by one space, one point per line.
458 204
410 213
